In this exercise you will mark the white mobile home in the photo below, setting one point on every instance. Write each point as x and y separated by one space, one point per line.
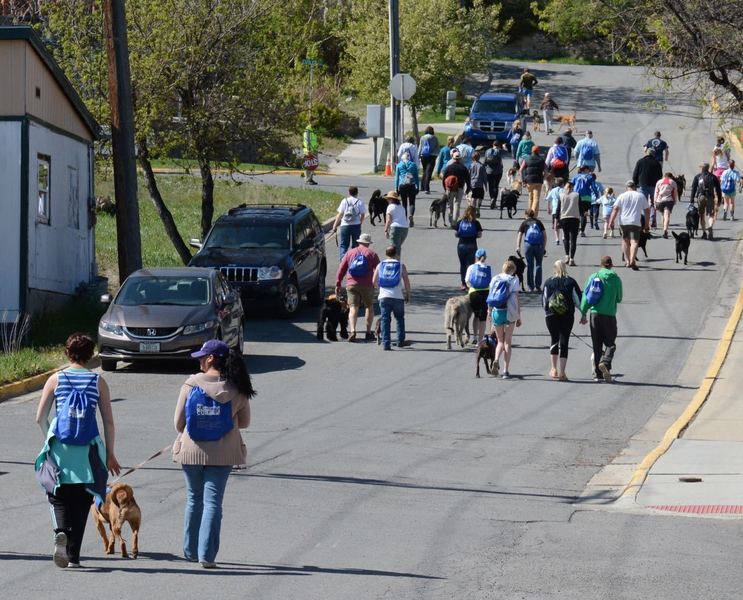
46 178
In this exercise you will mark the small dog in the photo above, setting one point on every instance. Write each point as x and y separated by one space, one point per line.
536 120
486 353
377 207
512 177
520 268
438 209
644 237
683 241
508 200
457 315
120 507
692 220
567 120
333 314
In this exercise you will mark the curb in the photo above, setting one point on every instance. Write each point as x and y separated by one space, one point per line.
696 404
167 171
30 384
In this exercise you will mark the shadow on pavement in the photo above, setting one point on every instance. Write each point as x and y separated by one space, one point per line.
267 363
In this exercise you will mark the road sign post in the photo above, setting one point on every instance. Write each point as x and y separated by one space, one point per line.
312 63
402 88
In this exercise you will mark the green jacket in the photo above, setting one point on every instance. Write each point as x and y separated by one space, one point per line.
524 149
609 299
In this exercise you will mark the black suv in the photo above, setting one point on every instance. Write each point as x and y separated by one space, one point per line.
268 251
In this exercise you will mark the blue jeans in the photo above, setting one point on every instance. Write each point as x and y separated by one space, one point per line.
533 256
204 493
347 239
389 307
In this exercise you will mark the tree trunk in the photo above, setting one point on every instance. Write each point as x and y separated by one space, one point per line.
414 117
165 215
207 196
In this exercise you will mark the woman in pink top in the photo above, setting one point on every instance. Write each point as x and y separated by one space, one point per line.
666 196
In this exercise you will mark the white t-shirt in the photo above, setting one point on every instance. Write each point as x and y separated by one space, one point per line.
395 292
632 205
357 210
397 212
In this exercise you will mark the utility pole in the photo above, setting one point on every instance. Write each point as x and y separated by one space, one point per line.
394 70
129 243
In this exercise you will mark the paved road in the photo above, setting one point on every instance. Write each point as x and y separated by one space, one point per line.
400 475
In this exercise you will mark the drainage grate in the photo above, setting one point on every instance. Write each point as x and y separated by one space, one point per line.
702 509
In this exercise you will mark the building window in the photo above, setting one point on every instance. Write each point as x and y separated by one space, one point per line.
73 203
43 210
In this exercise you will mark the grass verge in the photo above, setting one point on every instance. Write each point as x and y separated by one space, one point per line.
182 195
28 362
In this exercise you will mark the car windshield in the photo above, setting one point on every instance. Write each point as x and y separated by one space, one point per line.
494 106
179 291
244 234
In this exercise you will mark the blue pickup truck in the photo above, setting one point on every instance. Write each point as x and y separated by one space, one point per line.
492 115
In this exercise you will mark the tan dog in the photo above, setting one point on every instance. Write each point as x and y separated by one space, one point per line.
457 315
119 507
568 120
536 120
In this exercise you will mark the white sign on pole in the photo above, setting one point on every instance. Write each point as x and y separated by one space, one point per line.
402 86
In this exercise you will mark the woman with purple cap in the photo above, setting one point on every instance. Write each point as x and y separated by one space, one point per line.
213 406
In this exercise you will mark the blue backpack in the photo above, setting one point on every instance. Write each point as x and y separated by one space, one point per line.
206 419
561 153
359 265
425 146
582 184
727 182
467 229
595 291
76 422
499 294
481 276
390 273
534 235
586 152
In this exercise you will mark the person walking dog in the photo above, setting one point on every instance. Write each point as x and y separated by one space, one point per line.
391 277
561 297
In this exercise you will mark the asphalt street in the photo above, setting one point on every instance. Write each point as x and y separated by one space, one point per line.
398 474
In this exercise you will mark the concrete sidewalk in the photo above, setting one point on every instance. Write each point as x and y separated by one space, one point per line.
702 472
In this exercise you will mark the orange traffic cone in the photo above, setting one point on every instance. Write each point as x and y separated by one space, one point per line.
388 167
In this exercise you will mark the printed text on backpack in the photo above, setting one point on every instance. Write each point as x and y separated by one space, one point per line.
206 419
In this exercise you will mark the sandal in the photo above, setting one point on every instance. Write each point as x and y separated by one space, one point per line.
564 377
553 374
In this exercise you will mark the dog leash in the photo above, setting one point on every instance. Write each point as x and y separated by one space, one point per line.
581 339
144 462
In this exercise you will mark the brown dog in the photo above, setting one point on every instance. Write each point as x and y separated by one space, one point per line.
119 507
486 353
536 120
567 120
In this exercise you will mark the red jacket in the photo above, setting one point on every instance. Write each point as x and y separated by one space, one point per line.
371 258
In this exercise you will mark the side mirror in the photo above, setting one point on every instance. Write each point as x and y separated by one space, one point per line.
106 299
195 243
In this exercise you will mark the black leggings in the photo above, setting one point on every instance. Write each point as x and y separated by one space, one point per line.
70 508
407 195
570 228
560 327
428 163
466 253
494 184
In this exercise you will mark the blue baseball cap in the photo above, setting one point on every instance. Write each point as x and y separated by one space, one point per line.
212 348
480 253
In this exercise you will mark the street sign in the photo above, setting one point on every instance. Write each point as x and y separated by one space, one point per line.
312 61
310 162
402 86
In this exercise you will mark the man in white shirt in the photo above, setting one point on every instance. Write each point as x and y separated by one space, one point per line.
350 216
391 277
630 208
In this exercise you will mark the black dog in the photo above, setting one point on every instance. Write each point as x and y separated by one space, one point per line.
334 313
642 242
377 207
508 200
486 352
683 241
680 184
438 209
520 268
692 220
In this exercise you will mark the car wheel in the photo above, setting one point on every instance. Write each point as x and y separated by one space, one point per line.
316 295
108 364
240 337
290 299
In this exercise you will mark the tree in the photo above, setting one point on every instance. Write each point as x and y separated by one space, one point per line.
441 43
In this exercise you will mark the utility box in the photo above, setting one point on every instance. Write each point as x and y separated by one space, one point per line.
375 120
451 105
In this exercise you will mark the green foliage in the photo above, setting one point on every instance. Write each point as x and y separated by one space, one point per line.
440 43
28 362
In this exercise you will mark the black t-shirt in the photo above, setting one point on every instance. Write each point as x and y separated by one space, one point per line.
658 147
567 285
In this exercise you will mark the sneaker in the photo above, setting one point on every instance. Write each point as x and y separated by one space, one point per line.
564 377
582 234
387 348
709 233
474 341
605 372
60 550
572 262
725 215
369 337
665 235
412 223
704 235
557 242
207 564
494 369
312 182
612 234
74 565
567 259
605 235
634 267
505 375
463 287
352 336
404 344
